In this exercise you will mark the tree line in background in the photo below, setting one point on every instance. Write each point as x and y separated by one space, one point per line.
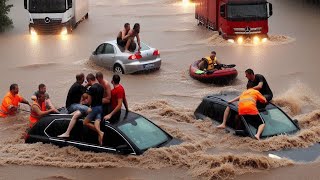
5 21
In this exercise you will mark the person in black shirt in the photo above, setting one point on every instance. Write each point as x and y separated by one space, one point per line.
95 92
259 83
73 104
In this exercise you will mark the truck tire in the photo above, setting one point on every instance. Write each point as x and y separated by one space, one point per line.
118 69
86 16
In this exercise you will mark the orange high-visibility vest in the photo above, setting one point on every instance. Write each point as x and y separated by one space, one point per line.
9 100
247 102
34 117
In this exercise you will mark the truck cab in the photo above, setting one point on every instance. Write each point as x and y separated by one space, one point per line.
235 19
55 16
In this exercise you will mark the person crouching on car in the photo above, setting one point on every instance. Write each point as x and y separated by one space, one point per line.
247 108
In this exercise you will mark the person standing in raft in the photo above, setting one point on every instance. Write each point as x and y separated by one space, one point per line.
11 100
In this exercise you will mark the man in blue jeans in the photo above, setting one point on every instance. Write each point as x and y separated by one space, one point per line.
96 93
73 104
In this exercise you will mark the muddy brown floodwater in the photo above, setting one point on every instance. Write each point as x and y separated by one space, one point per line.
289 61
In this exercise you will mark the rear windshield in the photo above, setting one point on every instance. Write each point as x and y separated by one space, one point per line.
276 123
143 133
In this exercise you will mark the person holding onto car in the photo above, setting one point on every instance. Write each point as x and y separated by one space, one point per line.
118 96
107 92
259 83
43 89
247 108
39 108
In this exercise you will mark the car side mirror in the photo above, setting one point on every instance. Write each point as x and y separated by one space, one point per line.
123 149
270 10
223 11
241 133
25 4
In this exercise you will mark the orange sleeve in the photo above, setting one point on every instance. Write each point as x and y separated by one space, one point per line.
7 102
261 98
20 98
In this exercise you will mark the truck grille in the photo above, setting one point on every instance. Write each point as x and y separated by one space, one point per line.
247 30
45 26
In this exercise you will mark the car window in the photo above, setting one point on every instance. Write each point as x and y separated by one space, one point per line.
108 49
100 49
212 110
57 127
276 123
113 139
143 46
143 133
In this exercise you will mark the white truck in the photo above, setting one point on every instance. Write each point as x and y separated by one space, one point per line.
55 16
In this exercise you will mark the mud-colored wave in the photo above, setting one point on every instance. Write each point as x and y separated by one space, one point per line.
56 177
38 65
216 40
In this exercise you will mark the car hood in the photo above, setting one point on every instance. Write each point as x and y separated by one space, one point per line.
309 154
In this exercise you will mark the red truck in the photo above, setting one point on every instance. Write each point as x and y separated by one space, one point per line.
235 19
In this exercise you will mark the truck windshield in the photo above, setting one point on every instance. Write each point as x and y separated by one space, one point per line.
250 12
47 6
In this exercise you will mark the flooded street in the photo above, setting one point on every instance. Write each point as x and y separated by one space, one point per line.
289 61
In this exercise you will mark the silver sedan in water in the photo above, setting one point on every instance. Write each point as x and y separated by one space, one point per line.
113 57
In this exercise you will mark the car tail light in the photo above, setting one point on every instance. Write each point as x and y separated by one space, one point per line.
156 52
135 56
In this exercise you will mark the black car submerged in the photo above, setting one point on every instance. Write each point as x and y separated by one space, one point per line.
131 134
277 121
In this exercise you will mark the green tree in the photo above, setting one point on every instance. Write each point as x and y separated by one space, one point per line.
5 21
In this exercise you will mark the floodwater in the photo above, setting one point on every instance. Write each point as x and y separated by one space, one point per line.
169 97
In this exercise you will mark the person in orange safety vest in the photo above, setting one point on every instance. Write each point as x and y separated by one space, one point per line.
247 108
38 109
11 100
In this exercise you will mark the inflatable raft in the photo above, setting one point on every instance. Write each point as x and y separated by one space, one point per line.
224 75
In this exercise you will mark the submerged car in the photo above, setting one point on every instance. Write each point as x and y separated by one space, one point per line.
131 134
277 121
113 57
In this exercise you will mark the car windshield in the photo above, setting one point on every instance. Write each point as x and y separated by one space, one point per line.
276 123
143 133
252 11
47 6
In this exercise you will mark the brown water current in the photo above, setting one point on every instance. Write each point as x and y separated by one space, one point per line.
289 61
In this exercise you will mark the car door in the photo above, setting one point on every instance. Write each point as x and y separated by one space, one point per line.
108 56
98 53
115 141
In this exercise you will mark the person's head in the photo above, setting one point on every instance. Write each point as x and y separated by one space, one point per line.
115 79
91 79
136 28
80 78
42 88
14 89
41 97
99 77
249 74
213 55
127 26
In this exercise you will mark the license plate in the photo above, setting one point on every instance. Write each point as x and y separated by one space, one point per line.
148 66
